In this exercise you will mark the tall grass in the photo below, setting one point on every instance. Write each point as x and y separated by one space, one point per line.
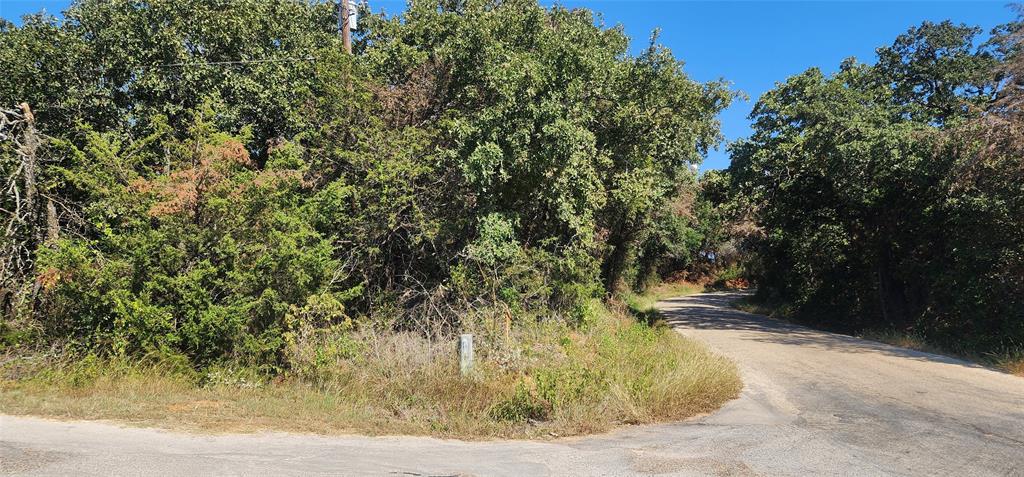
1010 361
641 305
538 378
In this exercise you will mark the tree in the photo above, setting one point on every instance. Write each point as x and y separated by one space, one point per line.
861 194
936 71
229 178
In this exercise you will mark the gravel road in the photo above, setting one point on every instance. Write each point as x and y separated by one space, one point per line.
814 403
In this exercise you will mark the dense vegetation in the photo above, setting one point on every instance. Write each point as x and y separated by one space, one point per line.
205 197
890 196
222 181
213 193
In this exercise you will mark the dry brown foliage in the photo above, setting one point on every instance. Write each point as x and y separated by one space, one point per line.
183 190
416 100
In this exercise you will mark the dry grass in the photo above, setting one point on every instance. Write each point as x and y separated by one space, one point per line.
542 379
1010 362
1013 365
903 340
665 290
750 304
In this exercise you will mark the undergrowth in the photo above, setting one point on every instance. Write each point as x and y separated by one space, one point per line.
1008 360
535 379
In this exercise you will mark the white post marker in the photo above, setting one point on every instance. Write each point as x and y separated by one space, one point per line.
466 353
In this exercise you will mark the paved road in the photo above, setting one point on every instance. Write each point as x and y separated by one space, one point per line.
814 404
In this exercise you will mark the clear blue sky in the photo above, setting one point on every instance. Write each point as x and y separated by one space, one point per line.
753 44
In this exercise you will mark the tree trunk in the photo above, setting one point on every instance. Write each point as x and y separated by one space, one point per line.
621 242
891 291
52 225
29 148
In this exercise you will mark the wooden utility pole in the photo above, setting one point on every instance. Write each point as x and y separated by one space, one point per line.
343 25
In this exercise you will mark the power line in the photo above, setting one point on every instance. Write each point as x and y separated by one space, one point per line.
235 62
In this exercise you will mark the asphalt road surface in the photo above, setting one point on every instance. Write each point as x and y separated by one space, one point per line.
814 403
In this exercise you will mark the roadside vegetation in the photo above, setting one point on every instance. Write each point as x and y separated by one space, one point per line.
214 218
1007 360
887 199
642 305
542 380
1010 361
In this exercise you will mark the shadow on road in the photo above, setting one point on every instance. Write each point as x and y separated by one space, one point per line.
713 311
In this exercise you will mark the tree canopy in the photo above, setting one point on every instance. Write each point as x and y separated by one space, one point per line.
216 178
886 199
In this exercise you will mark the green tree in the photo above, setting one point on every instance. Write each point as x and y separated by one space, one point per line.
936 71
226 177
852 178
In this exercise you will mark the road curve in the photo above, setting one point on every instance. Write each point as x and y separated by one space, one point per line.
814 403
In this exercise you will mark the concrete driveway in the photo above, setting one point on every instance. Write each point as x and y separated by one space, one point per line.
814 403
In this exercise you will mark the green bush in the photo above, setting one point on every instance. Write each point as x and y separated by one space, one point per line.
470 158
890 194
521 406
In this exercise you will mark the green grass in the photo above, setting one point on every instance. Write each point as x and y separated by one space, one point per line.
747 304
642 305
542 379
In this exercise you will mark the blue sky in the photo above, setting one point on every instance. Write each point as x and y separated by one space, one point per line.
752 44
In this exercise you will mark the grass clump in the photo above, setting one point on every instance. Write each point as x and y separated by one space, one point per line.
1009 360
750 304
1013 364
641 305
537 379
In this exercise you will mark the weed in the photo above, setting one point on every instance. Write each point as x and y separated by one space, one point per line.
538 378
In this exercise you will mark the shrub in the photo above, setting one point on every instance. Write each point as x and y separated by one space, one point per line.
454 166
